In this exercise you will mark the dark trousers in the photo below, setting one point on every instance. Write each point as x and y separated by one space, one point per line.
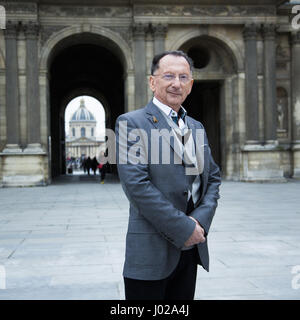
180 285
102 172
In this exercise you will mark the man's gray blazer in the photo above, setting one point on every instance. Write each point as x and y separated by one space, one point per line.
158 194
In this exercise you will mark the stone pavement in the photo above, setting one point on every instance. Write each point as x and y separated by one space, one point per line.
66 241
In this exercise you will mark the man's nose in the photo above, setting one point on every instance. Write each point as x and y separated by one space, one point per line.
176 82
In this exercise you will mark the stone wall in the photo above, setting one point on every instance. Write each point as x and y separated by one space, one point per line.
257 66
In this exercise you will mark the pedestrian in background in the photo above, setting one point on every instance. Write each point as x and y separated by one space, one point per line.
102 167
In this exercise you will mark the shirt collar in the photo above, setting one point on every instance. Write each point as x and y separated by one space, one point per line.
168 110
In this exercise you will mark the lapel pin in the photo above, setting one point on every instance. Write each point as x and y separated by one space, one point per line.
154 119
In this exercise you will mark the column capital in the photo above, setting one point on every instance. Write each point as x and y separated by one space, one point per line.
11 30
160 30
139 30
32 30
269 31
250 31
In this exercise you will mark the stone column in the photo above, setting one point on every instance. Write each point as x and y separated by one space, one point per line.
295 70
270 107
140 65
129 90
295 42
32 88
149 56
160 31
12 89
252 128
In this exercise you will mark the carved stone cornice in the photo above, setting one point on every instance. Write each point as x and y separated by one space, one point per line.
160 30
32 30
82 9
188 10
250 31
11 30
269 31
18 7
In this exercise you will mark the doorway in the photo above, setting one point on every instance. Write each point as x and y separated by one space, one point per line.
203 104
82 68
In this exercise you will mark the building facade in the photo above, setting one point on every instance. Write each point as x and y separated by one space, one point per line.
246 82
82 141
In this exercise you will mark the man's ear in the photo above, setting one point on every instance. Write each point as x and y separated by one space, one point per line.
152 83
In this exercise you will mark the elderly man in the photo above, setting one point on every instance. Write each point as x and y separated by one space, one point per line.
171 208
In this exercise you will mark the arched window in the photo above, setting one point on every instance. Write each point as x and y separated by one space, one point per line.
73 132
92 132
200 56
82 132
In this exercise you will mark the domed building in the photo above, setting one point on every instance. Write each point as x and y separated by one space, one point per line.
82 140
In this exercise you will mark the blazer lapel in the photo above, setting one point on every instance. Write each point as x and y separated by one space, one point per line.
159 122
155 117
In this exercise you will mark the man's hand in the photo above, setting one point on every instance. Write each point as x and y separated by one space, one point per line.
197 236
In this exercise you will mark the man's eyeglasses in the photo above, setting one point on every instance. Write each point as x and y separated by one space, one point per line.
183 78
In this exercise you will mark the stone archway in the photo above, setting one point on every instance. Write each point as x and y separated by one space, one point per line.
227 44
115 39
92 93
214 97
108 78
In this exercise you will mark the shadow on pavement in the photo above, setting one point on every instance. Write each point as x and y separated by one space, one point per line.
80 176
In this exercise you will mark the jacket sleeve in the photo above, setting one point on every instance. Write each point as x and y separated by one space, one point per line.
170 222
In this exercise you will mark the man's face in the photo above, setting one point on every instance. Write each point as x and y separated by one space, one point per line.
172 81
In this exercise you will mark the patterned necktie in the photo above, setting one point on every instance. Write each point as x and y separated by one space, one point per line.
175 117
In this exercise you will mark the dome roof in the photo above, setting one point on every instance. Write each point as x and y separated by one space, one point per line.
82 113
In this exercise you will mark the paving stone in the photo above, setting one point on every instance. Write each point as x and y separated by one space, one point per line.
67 241
107 291
225 286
